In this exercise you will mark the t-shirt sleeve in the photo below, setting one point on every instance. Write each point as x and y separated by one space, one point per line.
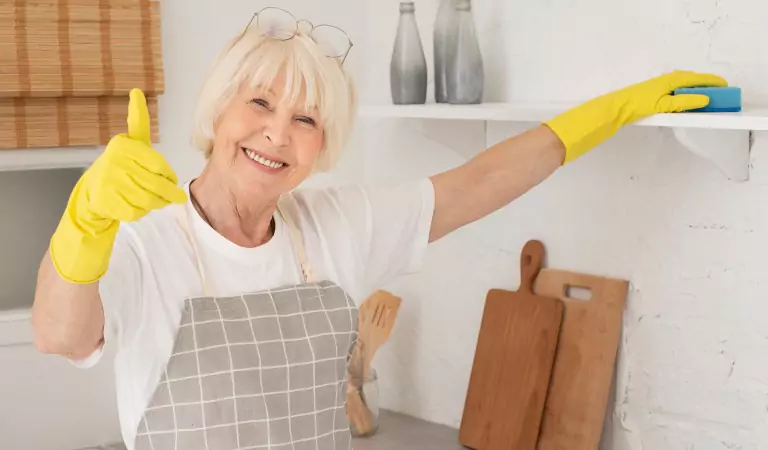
401 218
121 294
389 227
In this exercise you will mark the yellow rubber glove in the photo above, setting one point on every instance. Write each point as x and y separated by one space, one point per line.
127 181
584 127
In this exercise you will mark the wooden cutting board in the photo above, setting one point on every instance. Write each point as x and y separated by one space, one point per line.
512 364
583 370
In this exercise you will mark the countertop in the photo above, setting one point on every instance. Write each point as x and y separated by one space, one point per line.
400 432
396 432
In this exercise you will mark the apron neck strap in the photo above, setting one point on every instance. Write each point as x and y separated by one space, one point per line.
182 215
298 242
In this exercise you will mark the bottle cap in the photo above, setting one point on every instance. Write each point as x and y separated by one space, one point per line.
463 5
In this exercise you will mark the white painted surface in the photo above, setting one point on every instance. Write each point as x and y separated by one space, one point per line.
48 404
45 403
692 369
48 158
722 138
750 119
729 150
14 327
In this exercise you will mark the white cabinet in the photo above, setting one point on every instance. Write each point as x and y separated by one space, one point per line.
45 402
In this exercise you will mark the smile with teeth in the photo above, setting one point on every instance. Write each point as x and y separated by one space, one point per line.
262 160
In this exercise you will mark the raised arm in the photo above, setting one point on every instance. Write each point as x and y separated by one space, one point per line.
505 171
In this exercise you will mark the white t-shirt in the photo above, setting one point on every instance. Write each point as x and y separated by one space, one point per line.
358 237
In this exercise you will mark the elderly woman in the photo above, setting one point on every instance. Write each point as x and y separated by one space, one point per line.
231 299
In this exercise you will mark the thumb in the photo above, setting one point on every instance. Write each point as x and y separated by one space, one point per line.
138 117
684 102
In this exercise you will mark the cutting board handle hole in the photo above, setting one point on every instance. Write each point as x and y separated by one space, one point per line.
578 292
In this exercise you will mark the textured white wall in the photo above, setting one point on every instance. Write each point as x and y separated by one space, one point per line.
691 371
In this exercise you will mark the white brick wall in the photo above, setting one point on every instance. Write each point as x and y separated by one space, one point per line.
691 371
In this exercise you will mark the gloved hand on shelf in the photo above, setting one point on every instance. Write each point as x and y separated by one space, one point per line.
586 126
127 181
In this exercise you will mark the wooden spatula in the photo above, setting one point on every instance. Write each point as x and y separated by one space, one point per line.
377 317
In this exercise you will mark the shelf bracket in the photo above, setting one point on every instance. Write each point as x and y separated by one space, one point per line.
727 149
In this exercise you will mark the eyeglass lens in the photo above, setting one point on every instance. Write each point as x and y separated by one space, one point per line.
279 24
331 40
276 23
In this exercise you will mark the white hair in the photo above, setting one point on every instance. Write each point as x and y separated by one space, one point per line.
254 60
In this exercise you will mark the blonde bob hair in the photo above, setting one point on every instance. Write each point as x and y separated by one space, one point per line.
253 60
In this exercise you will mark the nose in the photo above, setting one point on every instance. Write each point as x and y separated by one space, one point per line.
277 130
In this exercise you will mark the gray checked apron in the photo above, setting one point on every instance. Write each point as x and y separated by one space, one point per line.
265 370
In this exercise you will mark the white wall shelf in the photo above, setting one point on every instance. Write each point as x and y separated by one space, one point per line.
722 138
15 328
48 158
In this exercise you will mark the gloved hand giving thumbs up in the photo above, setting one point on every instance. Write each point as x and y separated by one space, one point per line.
124 184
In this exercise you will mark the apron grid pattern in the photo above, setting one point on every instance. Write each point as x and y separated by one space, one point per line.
257 371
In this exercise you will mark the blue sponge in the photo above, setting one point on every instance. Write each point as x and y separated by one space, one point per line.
721 99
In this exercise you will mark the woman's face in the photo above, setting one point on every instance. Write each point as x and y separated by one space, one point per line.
264 145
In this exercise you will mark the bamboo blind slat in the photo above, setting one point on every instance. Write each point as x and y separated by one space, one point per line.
73 48
66 67
66 121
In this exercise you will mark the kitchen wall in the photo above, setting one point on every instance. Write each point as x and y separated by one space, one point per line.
691 372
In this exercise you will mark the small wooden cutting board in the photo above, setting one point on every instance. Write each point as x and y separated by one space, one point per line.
512 364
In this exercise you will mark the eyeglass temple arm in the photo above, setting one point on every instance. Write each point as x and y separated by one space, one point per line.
249 24
349 49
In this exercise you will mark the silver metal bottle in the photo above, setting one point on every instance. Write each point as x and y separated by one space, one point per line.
408 68
466 76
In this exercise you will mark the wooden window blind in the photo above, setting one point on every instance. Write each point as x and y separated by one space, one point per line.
66 67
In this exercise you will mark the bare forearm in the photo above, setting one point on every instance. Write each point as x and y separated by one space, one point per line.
67 318
494 178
